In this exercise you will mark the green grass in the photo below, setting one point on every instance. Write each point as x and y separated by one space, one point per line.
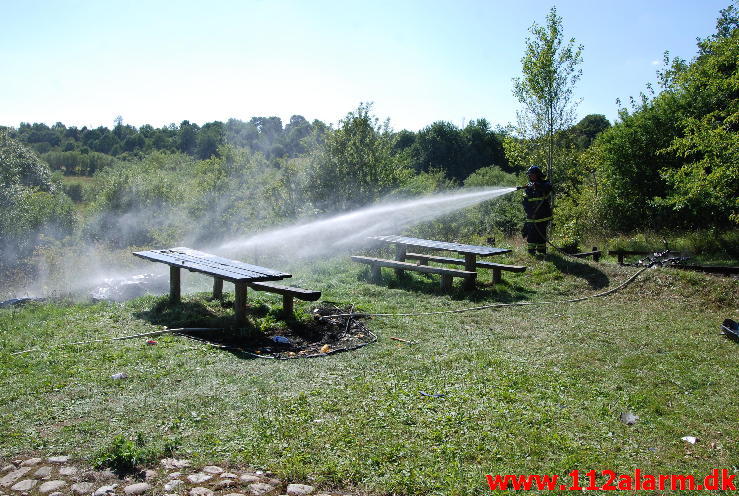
704 247
534 389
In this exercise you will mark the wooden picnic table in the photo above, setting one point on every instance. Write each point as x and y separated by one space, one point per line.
221 269
470 252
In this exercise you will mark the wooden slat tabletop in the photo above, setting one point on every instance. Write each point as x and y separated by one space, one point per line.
442 245
224 268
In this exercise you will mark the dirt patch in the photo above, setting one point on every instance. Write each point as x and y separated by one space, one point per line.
330 331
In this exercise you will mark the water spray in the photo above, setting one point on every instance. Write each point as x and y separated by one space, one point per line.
316 239
350 230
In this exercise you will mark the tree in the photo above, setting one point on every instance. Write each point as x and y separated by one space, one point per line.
295 132
241 134
187 137
550 71
483 148
20 166
209 139
627 165
674 160
30 203
404 140
706 185
590 126
440 146
355 165
270 132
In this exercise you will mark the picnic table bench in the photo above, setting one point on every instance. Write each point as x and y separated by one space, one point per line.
497 268
446 274
241 274
595 253
470 262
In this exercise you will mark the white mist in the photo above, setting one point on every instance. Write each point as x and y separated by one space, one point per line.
330 236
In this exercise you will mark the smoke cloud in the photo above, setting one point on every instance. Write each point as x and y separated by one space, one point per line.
99 269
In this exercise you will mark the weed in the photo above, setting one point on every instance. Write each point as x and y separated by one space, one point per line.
123 455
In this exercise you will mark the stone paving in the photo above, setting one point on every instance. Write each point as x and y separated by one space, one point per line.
61 476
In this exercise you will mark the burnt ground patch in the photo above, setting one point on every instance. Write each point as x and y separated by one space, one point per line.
328 329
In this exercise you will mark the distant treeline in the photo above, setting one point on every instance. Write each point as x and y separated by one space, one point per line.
671 161
440 146
162 186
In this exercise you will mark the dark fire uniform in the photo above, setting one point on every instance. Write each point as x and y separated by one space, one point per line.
538 207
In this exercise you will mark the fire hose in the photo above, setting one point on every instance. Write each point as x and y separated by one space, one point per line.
497 305
502 305
182 331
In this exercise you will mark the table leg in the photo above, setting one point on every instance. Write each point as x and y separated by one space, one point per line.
400 251
174 284
376 275
240 302
470 265
217 288
287 305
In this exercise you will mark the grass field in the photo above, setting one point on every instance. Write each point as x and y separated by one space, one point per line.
535 389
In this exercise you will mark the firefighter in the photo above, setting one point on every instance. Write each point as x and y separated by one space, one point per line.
538 208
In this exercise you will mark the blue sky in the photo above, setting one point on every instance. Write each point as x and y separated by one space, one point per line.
419 61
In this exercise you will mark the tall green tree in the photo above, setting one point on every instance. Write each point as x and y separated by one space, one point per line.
551 68
30 203
585 131
706 185
440 146
356 164
483 147
188 135
209 138
674 160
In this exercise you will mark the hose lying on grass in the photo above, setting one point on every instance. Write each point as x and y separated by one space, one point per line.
495 305
350 316
121 338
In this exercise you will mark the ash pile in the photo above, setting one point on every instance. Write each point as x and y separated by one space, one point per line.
665 258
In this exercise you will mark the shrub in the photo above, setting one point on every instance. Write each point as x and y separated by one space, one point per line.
30 205
123 455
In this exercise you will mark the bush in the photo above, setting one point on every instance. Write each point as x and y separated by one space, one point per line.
78 163
73 190
502 215
165 198
124 455
674 161
424 183
356 166
21 166
31 208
